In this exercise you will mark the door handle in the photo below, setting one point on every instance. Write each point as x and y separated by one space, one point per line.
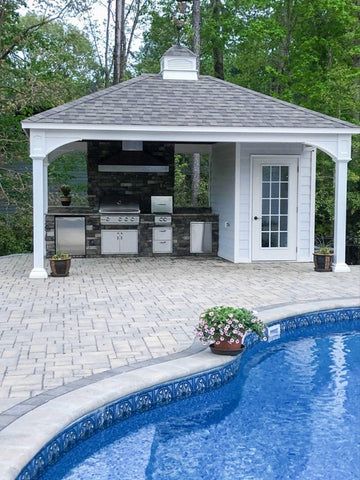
257 218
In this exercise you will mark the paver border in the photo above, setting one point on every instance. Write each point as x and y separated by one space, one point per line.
47 420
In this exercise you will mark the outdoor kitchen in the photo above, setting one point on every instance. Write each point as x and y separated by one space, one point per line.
131 208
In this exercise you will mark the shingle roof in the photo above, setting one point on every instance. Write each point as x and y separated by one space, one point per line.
179 51
148 100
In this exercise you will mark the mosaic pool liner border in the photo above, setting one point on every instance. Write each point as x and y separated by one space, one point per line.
165 393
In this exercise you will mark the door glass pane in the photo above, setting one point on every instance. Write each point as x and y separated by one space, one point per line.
265 240
274 206
283 207
274 223
266 174
284 190
283 239
266 190
284 173
283 222
274 239
275 173
265 207
275 190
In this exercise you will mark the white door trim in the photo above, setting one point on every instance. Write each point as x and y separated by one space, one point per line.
282 158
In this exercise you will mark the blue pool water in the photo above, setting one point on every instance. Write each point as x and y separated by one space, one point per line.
292 412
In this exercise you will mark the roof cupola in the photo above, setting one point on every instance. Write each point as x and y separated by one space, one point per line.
179 63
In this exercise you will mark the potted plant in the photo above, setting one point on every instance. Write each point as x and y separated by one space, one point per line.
226 327
65 195
323 257
60 264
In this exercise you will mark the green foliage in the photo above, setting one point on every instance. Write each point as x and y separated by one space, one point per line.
301 51
49 65
183 181
227 323
61 256
15 233
65 190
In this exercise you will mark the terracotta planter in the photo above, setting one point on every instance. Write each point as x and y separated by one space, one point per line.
65 201
226 348
323 262
60 268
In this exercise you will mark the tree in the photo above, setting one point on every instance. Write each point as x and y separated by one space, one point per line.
196 49
55 64
14 34
119 46
302 51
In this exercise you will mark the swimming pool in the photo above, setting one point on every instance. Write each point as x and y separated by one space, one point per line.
290 413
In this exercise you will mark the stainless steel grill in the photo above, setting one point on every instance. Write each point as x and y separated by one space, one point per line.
118 212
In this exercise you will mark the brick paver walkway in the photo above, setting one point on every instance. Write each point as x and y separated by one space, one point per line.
116 311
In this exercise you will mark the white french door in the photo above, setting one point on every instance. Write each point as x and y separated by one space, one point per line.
274 212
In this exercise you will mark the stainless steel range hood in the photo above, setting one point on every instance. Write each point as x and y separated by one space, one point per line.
134 168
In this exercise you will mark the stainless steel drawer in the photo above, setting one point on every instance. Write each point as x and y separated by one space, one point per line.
162 233
162 246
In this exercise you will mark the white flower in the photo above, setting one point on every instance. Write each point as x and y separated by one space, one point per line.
232 340
211 314
237 341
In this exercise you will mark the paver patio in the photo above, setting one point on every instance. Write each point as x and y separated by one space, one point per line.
113 312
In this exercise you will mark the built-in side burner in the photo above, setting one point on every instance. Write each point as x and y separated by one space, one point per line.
162 219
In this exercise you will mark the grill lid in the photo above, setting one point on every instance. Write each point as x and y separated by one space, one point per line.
111 205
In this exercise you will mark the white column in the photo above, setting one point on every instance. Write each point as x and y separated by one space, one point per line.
339 264
46 190
38 270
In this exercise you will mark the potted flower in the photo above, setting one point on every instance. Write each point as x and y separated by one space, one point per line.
323 257
60 264
65 195
226 327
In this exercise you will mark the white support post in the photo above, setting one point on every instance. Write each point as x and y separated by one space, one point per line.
46 190
38 270
339 264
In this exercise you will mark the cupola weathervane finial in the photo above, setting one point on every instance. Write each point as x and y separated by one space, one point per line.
180 17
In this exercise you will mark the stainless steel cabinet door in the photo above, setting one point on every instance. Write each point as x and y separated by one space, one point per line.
110 241
128 241
200 237
70 235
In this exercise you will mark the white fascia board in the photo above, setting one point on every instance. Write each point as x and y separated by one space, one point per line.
191 129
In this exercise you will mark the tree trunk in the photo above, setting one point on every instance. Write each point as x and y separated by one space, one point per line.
195 165
107 41
195 179
217 47
196 31
119 41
